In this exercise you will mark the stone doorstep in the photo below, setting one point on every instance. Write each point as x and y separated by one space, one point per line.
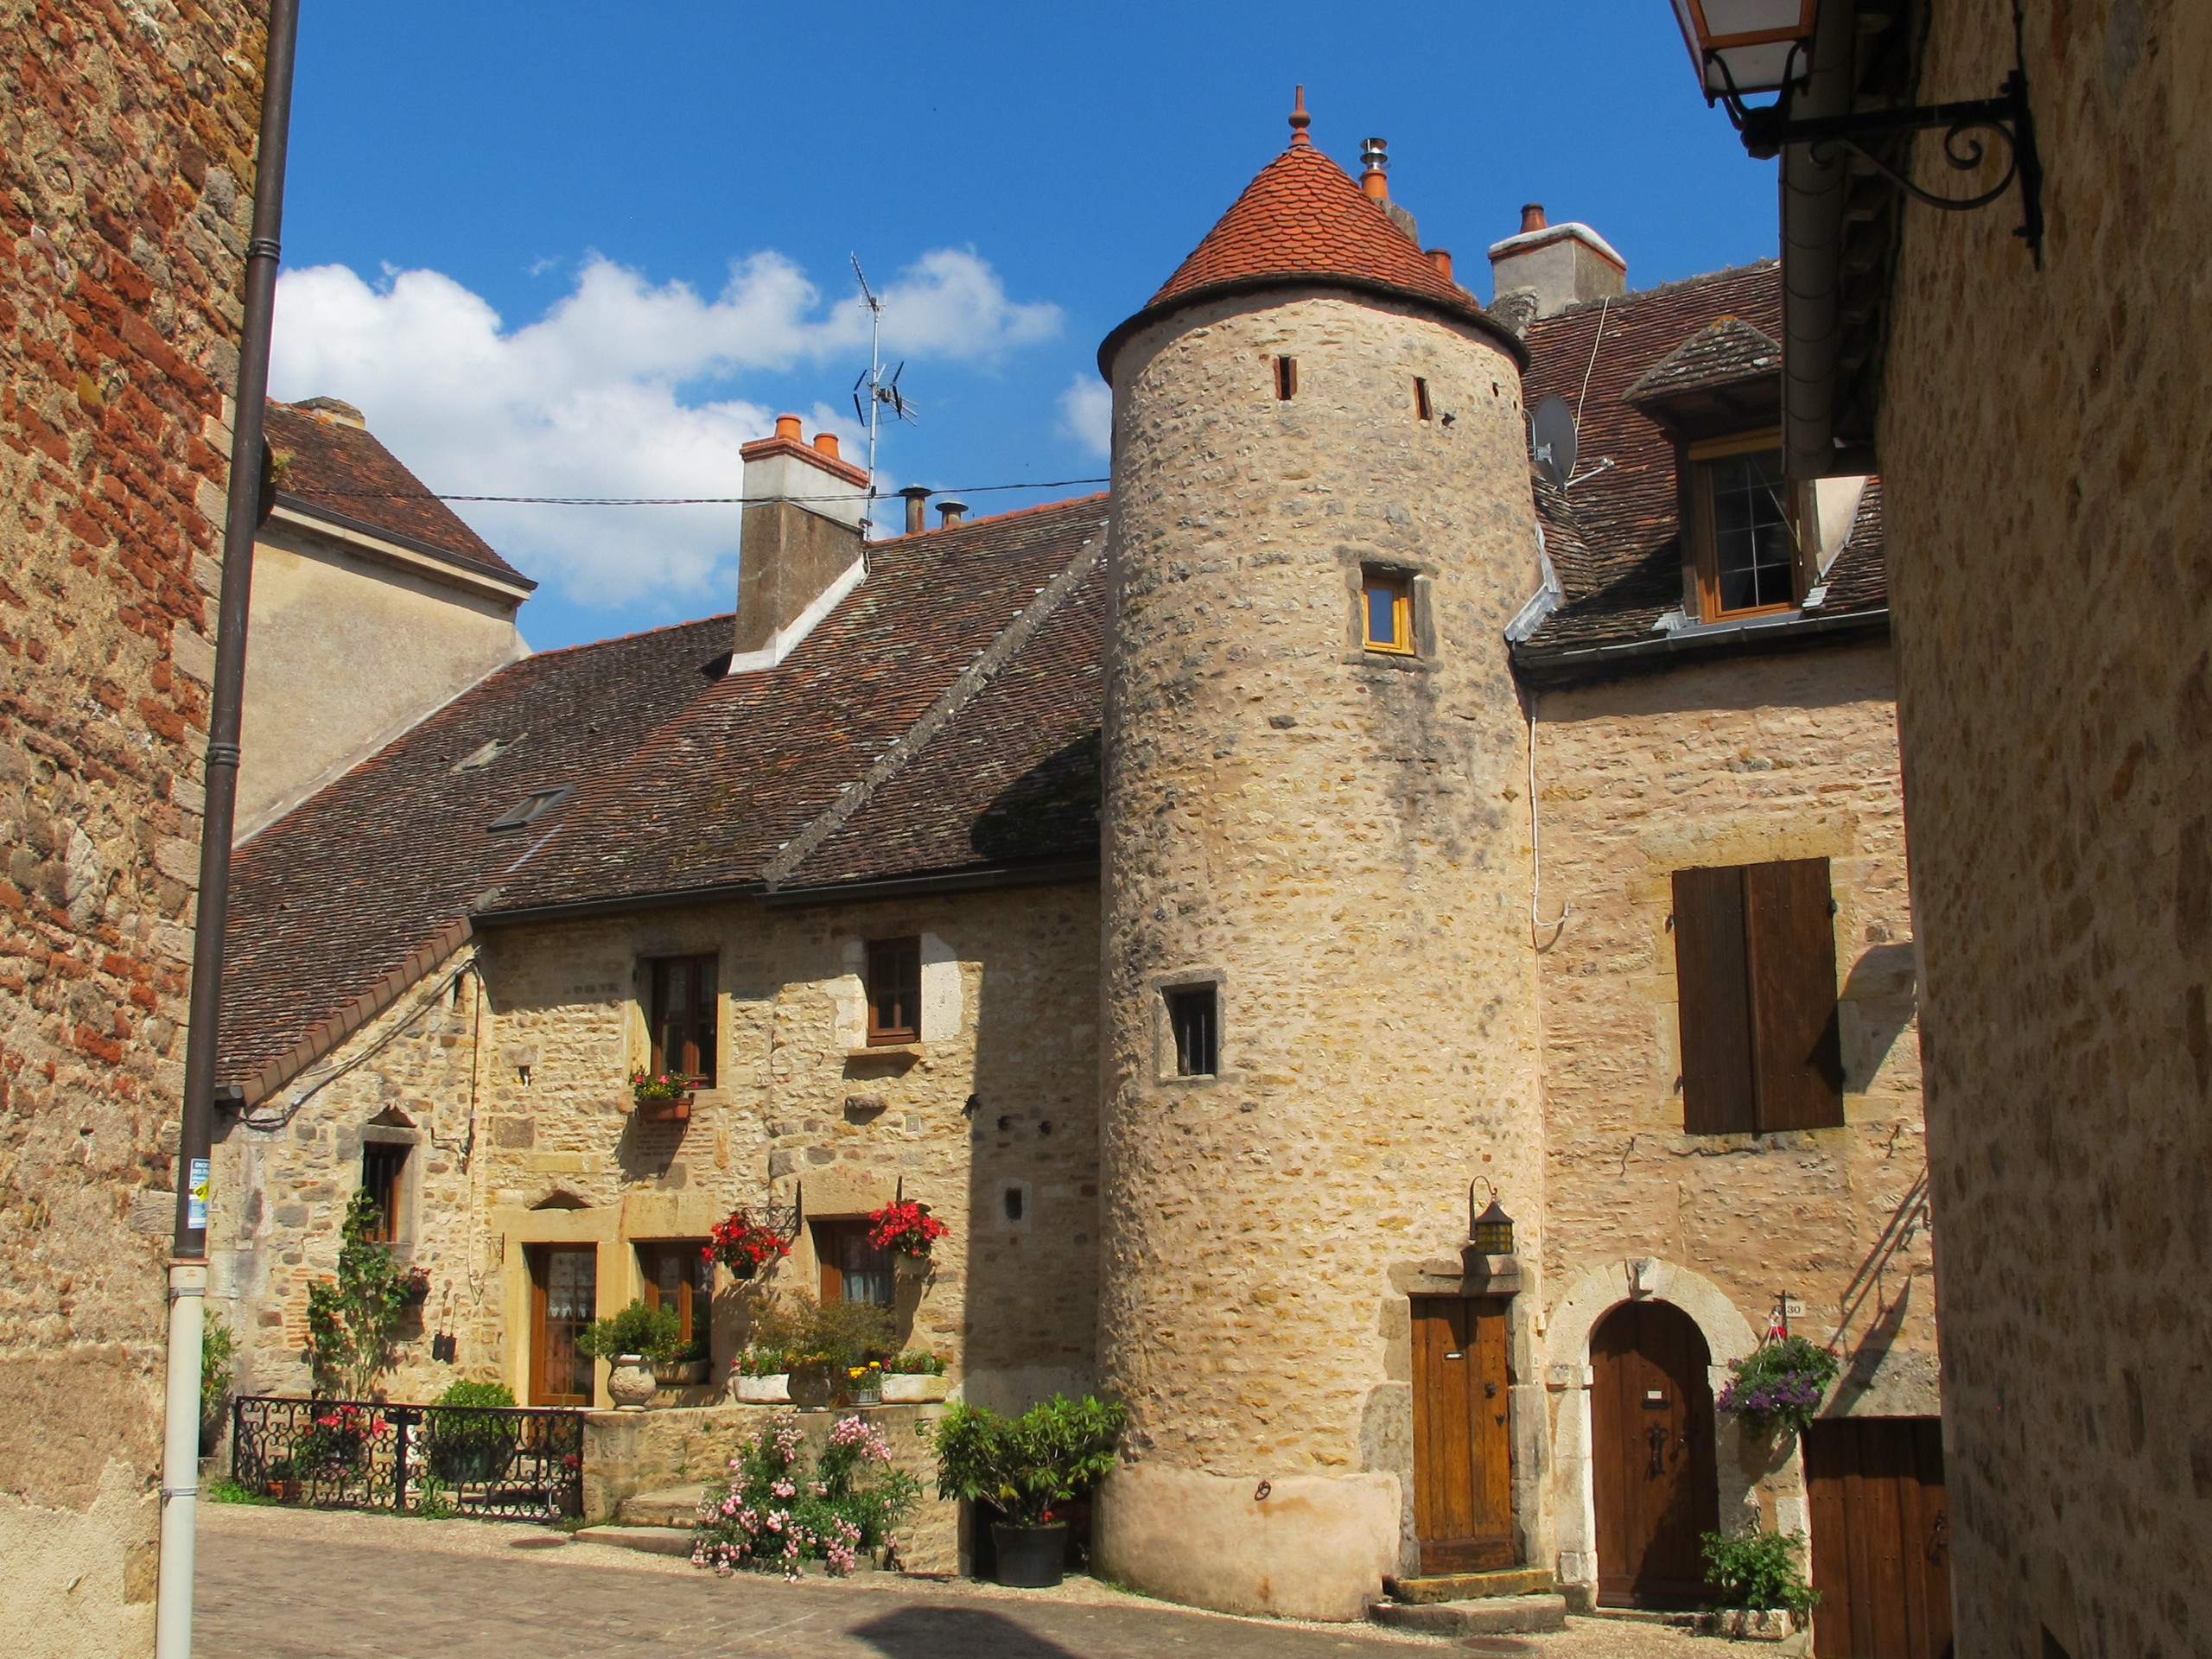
1471 1586
1485 1615
672 1506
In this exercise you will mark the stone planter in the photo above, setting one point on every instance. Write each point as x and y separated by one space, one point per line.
772 1391
1030 1558
681 1373
921 1389
811 1385
629 1384
1747 1624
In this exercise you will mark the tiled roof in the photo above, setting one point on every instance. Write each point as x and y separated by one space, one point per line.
338 470
1720 354
1615 537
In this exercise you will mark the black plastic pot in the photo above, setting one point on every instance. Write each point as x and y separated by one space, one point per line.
1030 1558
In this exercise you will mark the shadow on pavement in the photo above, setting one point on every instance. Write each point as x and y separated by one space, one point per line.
955 1633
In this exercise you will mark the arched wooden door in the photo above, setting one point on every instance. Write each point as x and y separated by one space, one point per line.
1651 1453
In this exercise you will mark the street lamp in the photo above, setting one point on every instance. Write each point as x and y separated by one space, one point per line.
1492 1232
1750 49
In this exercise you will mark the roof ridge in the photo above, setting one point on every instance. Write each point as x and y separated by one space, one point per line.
992 517
910 743
1617 300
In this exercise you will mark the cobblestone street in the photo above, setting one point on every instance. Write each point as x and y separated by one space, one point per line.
289 1584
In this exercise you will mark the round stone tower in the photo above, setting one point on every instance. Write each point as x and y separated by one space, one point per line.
1319 991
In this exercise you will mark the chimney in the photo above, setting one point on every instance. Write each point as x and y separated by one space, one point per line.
1375 153
1441 258
799 551
951 512
917 508
335 410
1554 265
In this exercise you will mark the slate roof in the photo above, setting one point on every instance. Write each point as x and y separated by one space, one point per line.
1615 538
342 473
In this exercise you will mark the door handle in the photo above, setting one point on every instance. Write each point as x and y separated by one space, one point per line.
1656 1437
1490 1390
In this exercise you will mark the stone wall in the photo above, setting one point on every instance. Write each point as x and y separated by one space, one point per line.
2043 437
125 160
1732 763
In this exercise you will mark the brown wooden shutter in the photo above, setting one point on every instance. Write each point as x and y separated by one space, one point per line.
1714 991
1796 1055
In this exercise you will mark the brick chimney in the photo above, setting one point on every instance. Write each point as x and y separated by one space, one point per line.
799 550
1555 265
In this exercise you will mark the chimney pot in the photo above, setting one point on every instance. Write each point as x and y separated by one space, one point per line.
826 443
951 512
1441 258
1376 181
787 426
1532 217
917 507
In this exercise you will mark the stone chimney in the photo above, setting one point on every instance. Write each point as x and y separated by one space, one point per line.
1556 265
799 551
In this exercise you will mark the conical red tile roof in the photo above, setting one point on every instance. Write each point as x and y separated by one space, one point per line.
1304 219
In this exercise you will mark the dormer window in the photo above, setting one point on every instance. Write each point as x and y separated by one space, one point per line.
1743 539
531 808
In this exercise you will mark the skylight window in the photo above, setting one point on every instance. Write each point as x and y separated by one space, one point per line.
531 808
477 760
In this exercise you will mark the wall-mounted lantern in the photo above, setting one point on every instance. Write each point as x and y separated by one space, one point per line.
1751 48
1492 1232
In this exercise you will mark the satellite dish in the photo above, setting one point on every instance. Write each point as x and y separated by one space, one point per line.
1553 437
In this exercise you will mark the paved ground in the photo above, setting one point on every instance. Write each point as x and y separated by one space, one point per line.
291 1584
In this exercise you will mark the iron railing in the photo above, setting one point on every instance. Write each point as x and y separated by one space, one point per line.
519 1465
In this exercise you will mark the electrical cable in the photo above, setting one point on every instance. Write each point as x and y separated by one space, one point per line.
660 500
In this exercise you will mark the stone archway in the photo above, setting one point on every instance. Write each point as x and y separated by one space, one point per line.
1728 1335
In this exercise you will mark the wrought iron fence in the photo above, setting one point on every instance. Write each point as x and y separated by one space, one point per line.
511 1464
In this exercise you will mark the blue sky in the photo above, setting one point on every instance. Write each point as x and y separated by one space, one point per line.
587 249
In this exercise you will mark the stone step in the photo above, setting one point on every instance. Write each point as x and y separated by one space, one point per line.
1485 1615
658 1540
1471 1586
672 1506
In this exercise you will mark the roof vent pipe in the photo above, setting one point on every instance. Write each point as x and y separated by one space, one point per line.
1374 154
917 508
951 512
1532 217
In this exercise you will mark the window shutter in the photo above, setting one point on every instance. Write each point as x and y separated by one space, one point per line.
1796 1053
1714 991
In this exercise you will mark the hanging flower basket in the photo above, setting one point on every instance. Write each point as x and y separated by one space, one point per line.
744 1246
1780 1386
906 1230
415 1287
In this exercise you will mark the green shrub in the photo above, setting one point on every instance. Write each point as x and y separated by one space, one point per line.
217 1349
775 1513
654 1333
352 1320
223 1490
493 1395
471 1442
837 1334
1758 1570
1029 1466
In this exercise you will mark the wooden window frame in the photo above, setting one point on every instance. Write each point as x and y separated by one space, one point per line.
1757 991
894 989
1285 378
1400 585
695 1301
702 1040
1705 552
383 1178
828 1233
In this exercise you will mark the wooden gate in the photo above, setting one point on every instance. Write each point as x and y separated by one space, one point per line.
1881 1538
1652 1460
1462 1485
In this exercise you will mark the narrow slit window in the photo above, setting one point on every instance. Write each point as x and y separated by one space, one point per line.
383 1164
1285 378
1422 410
1194 1019
1387 606
895 992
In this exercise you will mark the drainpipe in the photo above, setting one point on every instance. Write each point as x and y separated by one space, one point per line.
242 518
1812 234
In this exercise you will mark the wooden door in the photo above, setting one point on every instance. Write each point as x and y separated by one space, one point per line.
1651 1434
1463 1490
1881 1538
563 1298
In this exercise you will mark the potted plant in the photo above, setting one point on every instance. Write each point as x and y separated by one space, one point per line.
1779 1386
337 1438
1029 1468
864 1383
907 1231
744 1246
633 1341
762 1375
660 1097
913 1378
280 1480
822 1341
414 1286
468 1440
687 1368
1757 1582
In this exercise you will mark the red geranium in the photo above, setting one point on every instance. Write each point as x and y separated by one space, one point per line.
909 1229
744 1246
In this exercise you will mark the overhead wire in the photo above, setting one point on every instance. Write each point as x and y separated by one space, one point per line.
664 500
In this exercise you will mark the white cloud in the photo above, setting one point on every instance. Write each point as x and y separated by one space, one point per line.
1087 413
590 398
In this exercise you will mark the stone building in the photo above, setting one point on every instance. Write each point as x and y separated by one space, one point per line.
1194 895
126 141
2042 424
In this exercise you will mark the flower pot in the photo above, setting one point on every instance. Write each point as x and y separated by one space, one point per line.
284 1491
631 1385
918 1389
865 1393
740 1270
681 1373
1030 1558
908 1265
672 1109
810 1385
771 1390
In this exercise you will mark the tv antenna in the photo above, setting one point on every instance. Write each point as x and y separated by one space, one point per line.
873 393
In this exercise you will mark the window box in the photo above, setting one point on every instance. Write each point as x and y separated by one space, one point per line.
680 1373
665 1108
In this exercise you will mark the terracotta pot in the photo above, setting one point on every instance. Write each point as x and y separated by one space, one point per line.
676 1111
631 1383
284 1491
771 1390
918 1389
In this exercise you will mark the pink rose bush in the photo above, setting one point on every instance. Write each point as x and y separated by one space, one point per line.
774 1513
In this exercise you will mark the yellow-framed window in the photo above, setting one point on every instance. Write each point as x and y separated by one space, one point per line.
1387 610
